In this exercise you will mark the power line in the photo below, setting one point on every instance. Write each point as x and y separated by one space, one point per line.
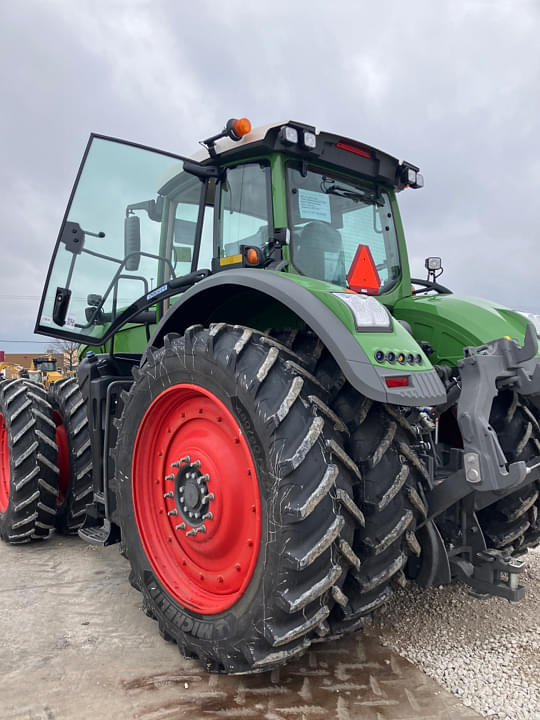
34 342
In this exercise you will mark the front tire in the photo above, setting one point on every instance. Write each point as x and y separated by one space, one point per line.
74 454
28 471
232 495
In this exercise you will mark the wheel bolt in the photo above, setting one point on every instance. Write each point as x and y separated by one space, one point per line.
196 464
201 529
182 526
208 497
191 532
172 512
208 516
168 494
170 477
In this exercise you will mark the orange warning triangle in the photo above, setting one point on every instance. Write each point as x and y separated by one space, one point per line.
363 275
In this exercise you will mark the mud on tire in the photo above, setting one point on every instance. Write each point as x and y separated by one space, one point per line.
513 522
74 454
28 470
259 411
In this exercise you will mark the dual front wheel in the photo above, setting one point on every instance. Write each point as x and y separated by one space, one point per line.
45 469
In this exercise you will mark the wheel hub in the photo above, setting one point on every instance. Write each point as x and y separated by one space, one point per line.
191 495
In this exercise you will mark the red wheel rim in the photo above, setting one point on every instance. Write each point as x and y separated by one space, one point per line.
191 456
4 466
63 457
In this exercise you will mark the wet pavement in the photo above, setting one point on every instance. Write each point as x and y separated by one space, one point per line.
74 643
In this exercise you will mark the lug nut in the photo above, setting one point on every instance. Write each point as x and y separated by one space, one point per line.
208 497
170 477
182 526
168 494
201 529
172 512
195 463
208 516
191 532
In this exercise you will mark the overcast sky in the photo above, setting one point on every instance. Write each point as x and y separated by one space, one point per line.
453 87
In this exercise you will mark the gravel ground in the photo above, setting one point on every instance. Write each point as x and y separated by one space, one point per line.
486 652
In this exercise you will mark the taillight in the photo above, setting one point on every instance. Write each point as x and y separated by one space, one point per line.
353 149
394 382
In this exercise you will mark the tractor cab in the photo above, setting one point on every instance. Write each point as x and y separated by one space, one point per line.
143 226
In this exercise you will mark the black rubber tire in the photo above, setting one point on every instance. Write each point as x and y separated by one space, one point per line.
33 481
513 523
69 411
304 484
389 493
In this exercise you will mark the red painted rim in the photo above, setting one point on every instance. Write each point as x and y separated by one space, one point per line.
5 472
207 571
63 457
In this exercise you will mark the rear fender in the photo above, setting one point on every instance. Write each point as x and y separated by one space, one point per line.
264 299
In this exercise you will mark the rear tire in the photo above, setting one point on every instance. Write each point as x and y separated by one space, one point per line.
258 465
28 471
74 454
513 523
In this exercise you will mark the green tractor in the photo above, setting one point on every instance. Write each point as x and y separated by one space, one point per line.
277 423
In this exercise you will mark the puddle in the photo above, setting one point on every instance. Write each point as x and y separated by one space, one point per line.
347 679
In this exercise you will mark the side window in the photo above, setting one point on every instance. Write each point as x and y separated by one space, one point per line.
184 228
185 224
244 208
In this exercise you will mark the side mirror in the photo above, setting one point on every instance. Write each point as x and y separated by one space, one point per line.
132 242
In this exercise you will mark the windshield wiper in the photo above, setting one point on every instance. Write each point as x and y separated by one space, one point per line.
331 188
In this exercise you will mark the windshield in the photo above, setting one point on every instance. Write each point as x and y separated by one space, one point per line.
330 217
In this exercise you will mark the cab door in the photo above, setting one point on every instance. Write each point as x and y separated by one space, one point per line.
118 243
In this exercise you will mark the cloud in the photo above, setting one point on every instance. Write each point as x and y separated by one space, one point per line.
449 86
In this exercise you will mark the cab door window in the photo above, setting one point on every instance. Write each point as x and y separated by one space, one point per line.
245 208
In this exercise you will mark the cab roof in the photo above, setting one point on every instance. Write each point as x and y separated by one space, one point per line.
336 150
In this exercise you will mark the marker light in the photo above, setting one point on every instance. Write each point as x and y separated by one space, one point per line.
289 135
393 382
353 149
368 313
310 140
253 256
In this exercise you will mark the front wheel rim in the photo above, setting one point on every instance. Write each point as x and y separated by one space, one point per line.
196 498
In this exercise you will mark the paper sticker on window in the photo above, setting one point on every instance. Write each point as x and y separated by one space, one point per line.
314 205
70 321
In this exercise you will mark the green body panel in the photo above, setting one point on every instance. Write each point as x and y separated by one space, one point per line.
130 339
398 339
450 323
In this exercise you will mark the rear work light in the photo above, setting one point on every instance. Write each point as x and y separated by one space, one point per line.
394 382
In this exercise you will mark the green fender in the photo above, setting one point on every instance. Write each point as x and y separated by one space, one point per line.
241 295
